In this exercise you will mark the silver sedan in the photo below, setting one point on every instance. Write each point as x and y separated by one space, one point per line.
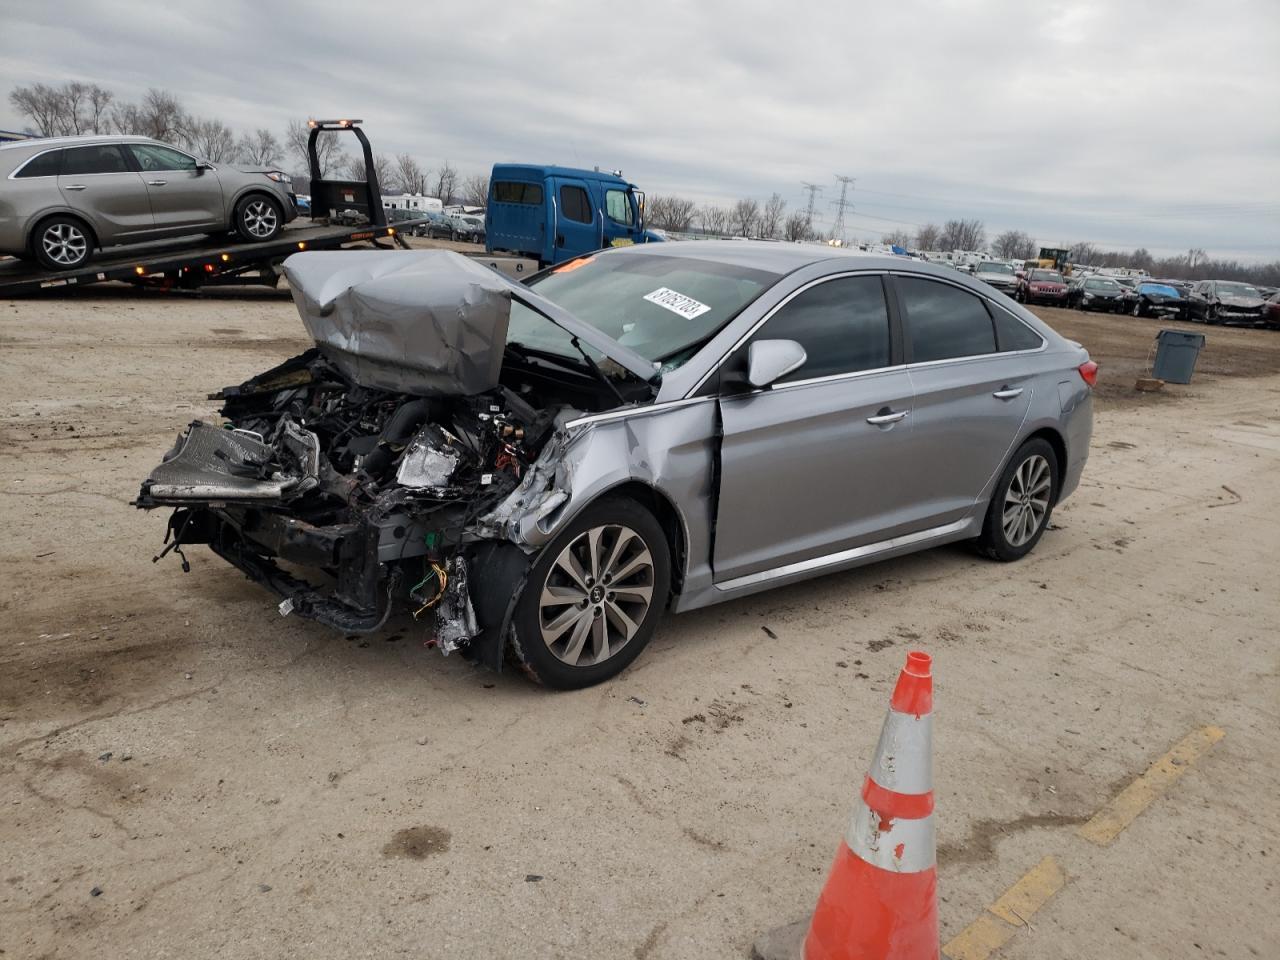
644 429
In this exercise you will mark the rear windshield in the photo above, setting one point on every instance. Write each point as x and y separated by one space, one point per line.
661 307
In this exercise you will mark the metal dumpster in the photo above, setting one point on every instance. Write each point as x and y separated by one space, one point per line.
1176 354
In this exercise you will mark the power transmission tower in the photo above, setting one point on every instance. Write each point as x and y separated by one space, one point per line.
837 232
813 190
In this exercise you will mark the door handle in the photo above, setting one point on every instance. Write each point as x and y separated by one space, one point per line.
74 186
156 183
882 419
1007 393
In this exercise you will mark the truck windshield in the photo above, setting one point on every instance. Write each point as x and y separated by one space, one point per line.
659 306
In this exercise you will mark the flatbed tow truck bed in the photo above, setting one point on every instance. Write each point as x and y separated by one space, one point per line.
195 261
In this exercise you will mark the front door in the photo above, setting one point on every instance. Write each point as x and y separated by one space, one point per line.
972 394
577 223
814 464
182 195
96 181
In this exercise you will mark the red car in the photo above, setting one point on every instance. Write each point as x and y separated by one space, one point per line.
1042 286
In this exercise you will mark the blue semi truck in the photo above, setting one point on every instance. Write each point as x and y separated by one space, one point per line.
554 214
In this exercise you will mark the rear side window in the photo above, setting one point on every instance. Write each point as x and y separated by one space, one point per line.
842 324
152 156
574 205
1013 334
513 191
45 165
100 158
944 322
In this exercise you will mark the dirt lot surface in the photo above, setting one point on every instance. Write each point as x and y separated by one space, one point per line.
183 773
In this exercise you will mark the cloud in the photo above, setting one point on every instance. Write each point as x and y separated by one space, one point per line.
1130 124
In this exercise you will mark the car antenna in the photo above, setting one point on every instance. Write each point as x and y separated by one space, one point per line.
596 369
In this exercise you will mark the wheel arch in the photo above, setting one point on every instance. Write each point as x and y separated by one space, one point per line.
39 220
249 190
664 510
1055 439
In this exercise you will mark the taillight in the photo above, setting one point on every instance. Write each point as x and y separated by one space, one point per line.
1088 372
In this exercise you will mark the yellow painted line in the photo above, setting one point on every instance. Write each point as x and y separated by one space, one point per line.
1006 916
1029 894
1106 824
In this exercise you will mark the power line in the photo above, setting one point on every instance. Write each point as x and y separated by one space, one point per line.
837 231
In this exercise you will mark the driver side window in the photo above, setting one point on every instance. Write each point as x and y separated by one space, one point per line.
152 156
843 325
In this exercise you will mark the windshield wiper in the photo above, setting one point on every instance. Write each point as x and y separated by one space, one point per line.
597 371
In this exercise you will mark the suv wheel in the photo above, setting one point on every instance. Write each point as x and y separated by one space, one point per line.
62 243
1022 503
258 218
593 597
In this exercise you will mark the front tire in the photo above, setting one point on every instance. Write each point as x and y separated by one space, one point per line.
1022 503
62 243
593 597
258 218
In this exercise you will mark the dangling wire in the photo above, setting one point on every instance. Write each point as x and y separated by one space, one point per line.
442 581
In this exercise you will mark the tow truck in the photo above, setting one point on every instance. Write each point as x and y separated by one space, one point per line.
343 214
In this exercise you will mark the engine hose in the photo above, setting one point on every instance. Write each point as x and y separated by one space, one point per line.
396 433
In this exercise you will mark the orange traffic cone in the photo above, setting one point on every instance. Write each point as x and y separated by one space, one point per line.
880 901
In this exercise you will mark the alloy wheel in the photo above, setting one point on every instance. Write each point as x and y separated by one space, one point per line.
1026 500
259 219
65 243
596 595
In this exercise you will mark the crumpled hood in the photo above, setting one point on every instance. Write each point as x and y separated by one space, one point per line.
424 322
1244 303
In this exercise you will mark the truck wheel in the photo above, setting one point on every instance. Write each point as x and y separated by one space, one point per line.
62 243
258 218
593 597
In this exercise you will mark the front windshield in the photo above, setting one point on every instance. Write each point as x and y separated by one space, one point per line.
1238 290
1109 285
1046 276
995 268
659 306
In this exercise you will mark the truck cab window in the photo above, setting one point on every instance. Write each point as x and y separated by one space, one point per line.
575 205
618 205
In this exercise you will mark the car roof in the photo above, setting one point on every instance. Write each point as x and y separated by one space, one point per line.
778 257
45 143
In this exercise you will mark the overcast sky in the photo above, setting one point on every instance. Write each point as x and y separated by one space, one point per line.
1127 123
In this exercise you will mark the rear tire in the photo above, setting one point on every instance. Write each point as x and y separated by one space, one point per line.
258 218
62 243
1022 503
580 621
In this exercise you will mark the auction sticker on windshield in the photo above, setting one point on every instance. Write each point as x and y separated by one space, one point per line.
686 307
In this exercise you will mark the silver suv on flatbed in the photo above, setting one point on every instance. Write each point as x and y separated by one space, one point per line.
60 198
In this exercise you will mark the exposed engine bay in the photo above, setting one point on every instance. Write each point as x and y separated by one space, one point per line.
382 496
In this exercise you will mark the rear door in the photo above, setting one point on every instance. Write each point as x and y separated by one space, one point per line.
181 195
971 396
815 464
516 218
97 181
577 222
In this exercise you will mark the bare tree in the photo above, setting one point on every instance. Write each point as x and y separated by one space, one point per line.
159 115
212 139
744 217
1083 252
329 154
475 190
383 168
408 176
798 227
897 238
1014 245
670 213
258 149
446 182
73 108
714 219
928 237
771 216
963 235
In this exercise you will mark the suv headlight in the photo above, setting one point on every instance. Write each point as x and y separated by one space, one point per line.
279 177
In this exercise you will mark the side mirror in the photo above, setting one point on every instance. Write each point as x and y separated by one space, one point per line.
202 166
770 360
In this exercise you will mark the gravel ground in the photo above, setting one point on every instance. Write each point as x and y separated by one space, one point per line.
185 774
